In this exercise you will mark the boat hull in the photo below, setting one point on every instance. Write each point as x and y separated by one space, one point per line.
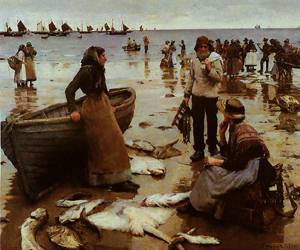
45 150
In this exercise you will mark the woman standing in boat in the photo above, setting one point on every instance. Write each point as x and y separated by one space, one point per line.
108 161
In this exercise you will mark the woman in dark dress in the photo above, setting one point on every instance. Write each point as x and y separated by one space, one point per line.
108 161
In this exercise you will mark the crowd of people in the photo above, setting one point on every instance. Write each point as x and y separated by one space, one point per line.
237 57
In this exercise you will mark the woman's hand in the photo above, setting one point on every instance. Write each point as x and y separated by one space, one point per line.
211 161
75 116
186 101
114 109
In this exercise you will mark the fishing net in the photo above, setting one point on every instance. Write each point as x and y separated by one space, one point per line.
182 121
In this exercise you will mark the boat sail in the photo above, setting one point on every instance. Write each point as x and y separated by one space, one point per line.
141 28
89 28
66 28
52 27
40 29
124 30
8 28
21 27
106 27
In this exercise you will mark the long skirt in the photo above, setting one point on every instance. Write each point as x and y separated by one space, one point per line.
108 161
251 59
30 69
18 77
213 182
233 66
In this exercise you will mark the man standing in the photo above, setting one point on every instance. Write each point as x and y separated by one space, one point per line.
205 74
146 43
266 49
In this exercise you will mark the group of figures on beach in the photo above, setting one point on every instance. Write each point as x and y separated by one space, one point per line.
24 61
234 163
236 56
168 51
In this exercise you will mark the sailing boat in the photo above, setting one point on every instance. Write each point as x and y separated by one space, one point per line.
66 28
141 28
52 29
21 30
123 31
89 29
40 29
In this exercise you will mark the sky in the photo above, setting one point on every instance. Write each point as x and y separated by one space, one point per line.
160 14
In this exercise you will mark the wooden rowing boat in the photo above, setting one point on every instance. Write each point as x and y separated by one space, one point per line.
46 145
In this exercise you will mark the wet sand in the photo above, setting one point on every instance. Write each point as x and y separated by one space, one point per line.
280 131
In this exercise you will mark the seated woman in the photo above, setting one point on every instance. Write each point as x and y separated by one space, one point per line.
243 158
108 161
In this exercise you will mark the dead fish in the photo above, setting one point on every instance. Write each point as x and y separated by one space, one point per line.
166 151
145 124
77 196
147 165
288 103
74 213
128 216
140 145
165 200
69 203
64 237
28 229
199 239
164 127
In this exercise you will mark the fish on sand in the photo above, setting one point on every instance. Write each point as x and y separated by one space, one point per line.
29 228
165 200
128 216
147 165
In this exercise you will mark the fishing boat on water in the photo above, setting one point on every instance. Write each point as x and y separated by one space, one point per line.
21 30
40 29
124 30
46 145
53 31
130 48
89 29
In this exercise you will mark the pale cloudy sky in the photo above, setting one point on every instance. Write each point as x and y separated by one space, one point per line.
162 14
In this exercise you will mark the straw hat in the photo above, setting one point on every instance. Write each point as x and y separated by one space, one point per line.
232 107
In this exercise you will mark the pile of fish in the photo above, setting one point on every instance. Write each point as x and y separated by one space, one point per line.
165 200
128 216
147 165
76 212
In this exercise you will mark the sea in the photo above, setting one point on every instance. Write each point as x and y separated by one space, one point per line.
58 58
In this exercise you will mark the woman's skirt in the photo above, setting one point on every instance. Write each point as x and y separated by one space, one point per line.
251 59
213 182
108 161
30 69
18 77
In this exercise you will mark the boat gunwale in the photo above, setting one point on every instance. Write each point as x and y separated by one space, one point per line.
25 120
